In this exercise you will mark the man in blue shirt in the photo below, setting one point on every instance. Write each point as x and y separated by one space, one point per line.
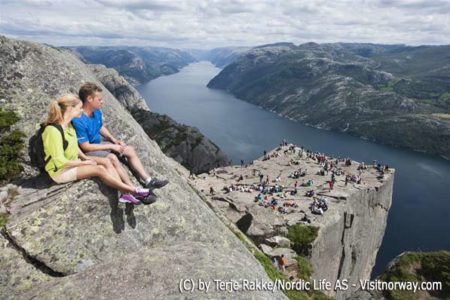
90 130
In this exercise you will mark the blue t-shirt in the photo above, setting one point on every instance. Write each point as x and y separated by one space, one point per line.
88 128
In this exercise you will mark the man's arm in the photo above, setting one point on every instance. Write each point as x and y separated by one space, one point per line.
107 135
88 147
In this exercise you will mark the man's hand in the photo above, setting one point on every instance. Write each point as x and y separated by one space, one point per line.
117 148
117 142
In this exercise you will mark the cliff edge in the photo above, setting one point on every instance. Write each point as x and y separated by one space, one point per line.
340 242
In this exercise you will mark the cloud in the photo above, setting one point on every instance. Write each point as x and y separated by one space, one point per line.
216 23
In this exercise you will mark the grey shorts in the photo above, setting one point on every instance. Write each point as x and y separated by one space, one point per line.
100 153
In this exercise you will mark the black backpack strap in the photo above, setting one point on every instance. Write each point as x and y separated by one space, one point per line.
61 130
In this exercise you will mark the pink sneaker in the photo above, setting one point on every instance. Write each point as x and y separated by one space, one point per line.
128 198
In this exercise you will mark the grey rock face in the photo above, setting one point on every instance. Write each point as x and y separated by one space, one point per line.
183 143
137 64
124 92
76 241
279 241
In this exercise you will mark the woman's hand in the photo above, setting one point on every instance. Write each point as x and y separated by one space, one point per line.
89 162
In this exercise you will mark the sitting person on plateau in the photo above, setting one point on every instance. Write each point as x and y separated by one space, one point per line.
90 129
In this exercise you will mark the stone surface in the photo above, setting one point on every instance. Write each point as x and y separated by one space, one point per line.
89 244
266 249
137 64
279 241
124 92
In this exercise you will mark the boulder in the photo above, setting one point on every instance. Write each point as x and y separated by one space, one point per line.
279 241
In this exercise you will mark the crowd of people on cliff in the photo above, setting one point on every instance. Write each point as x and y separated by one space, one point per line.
74 144
272 194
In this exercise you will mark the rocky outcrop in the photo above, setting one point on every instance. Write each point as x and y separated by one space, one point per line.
350 230
183 143
124 92
396 95
347 247
75 241
137 64
186 144
429 270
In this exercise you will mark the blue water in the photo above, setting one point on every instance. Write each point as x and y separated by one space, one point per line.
418 219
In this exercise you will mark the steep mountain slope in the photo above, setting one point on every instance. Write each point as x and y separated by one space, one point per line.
75 241
137 64
395 94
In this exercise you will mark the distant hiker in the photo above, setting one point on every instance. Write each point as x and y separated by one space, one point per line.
65 162
90 130
275 262
282 263
211 191
242 163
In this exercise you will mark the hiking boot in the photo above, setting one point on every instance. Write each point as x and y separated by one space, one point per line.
155 183
150 199
141 193
128 198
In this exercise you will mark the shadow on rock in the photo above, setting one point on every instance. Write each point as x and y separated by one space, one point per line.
129 211
39 182
245 222
116 214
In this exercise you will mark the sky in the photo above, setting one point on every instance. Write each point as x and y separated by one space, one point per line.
209 24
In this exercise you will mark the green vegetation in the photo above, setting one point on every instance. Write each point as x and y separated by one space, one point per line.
11 145
302 236
3 220
444 100
389 86
304 268
7 118
420 267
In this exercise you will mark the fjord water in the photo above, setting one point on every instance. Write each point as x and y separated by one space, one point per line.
419 216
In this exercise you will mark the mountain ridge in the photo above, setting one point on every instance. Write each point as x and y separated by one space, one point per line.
329 86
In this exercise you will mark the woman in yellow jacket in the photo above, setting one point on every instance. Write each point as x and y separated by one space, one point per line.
72 164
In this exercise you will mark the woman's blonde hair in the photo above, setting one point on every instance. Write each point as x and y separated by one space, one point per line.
57 108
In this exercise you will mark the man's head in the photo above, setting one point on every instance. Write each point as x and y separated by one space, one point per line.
91 94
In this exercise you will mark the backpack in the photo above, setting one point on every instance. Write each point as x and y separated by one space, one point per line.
36 147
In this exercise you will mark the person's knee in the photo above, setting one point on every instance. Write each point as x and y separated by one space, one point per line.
112 158
101 170
129 151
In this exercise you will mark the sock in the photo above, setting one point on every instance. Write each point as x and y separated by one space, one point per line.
147 181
